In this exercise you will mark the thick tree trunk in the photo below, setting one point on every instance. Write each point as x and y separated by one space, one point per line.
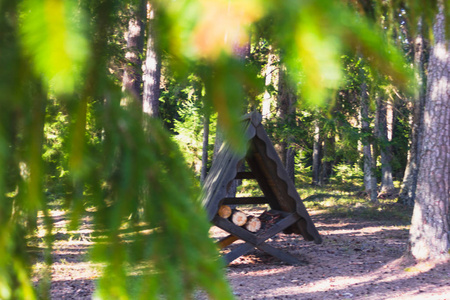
152 68
132 79
408 188
430 226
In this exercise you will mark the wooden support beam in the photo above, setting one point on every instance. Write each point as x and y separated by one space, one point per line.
235 230
239 251
245 175
226 241
278 227
245 200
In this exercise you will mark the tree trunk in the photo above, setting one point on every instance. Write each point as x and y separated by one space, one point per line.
409 183
132 79
327 159
269 80
152 68
290 161
370 181
205 147
286 114
430 226
317 149
385 132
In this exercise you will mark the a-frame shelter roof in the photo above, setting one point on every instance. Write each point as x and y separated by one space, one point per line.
266 167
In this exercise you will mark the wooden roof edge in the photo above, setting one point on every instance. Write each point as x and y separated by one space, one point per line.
291 190
254 117
212 196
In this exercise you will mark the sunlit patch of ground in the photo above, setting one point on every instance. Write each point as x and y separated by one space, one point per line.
73 275
360 258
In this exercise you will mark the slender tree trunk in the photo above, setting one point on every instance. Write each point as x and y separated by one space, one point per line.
317 149
289 101
286 113
152 68
385 132
430 226
269 80
290 163
132 79
327 159
408 188
205 147
370 180
282 111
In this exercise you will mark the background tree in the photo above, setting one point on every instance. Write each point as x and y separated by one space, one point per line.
132 71
409 183
152 65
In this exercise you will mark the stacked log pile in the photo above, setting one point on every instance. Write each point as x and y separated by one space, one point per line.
251 223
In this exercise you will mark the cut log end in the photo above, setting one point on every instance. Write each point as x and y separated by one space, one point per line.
224 211
238 218
253 224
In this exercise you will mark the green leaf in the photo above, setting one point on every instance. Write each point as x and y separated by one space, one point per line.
52 36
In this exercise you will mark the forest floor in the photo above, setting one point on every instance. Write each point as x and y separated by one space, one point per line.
361 257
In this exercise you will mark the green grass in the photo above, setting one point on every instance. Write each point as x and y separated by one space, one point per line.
341 199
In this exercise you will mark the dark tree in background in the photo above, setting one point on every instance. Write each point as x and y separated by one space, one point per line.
132 73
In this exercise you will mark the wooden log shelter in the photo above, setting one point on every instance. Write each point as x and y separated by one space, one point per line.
287 212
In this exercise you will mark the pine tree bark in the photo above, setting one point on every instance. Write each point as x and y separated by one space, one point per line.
132 78
430 225
152 68
409 183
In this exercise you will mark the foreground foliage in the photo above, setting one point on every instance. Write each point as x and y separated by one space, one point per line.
64 133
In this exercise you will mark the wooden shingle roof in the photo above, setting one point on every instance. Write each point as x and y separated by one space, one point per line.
266 167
